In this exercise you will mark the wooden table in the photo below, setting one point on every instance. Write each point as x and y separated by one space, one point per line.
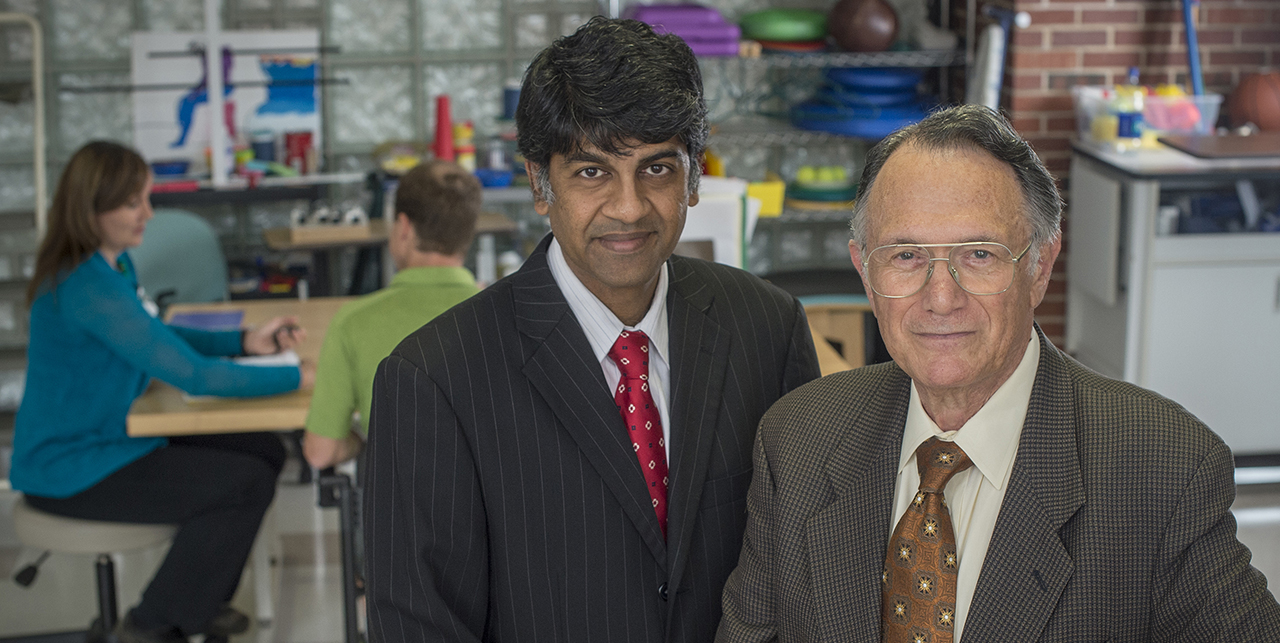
839 319
163 410
829 360
325 237
322 240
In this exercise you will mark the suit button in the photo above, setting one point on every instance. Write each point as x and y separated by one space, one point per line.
662 591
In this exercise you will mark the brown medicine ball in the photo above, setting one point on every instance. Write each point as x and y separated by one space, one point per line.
863 25
1257 100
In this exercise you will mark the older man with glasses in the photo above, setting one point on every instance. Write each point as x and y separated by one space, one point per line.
984 484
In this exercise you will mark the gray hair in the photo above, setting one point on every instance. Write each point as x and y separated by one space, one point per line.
972 126
542 184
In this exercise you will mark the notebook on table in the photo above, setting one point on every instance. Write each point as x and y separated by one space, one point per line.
208 320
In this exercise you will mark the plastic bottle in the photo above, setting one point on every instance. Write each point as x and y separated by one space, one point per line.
464 145
509 262
1128 105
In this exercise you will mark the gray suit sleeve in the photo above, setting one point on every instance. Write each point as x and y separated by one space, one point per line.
424 515
1205 588
750 600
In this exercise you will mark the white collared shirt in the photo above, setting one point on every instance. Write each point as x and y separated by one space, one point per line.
990 439
602 328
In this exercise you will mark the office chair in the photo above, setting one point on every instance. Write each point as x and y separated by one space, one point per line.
180 260
338 490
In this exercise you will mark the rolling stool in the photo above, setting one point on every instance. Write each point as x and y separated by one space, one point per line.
50 533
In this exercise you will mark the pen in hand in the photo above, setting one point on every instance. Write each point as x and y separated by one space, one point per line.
288 328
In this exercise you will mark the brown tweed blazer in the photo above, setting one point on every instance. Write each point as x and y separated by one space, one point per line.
1116 524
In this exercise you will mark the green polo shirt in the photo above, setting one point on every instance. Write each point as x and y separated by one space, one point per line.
365 331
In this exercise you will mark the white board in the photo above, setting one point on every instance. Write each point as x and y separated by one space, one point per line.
174 123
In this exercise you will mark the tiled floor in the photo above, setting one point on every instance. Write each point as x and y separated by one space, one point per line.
308 587
308 577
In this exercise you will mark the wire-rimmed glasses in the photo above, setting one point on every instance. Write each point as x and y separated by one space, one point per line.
901 270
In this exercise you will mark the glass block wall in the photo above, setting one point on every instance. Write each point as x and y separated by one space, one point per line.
391 59
388 61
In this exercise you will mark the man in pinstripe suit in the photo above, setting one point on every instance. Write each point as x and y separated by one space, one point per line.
508 500
1093 510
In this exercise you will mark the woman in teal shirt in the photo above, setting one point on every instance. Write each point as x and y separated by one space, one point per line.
93 348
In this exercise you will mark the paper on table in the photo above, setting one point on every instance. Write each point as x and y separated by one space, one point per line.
718 217
283 358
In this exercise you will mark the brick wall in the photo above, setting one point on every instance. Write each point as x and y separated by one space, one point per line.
1092 42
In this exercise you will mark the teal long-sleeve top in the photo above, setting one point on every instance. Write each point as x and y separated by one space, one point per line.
92 350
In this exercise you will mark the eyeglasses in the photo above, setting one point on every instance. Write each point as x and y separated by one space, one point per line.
979 267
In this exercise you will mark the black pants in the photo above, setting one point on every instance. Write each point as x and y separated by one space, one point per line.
216 489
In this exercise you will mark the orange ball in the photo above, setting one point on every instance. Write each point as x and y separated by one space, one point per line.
1257 100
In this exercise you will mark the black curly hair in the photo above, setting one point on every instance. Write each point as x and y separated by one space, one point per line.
609 85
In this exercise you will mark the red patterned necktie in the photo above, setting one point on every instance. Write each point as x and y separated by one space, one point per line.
918 596
644 424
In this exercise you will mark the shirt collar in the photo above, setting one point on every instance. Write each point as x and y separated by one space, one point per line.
598 323
433 276
990 437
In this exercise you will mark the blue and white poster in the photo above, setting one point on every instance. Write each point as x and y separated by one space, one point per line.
269 80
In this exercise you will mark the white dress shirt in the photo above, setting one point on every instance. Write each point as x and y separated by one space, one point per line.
990 439
602 328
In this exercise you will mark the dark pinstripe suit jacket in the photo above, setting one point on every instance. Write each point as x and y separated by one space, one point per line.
1115 524
505 502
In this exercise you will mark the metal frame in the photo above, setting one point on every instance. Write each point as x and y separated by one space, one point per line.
40 168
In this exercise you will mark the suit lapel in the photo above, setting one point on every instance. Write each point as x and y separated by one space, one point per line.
846 540
699 352
1026 557
564 370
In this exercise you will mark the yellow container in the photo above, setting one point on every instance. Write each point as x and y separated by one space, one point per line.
770 193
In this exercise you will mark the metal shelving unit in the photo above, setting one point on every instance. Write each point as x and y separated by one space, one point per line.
766 132
798 215
761 91
923 58
758 87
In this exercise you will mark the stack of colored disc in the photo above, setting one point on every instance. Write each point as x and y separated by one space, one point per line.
702 28
785 25
872 87
863 102
810 192
794 47
875 78
860 122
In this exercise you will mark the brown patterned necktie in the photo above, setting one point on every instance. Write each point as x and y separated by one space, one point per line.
918 595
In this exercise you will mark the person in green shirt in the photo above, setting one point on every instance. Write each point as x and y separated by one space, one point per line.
437 204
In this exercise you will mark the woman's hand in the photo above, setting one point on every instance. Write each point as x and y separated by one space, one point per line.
281 333
307 374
